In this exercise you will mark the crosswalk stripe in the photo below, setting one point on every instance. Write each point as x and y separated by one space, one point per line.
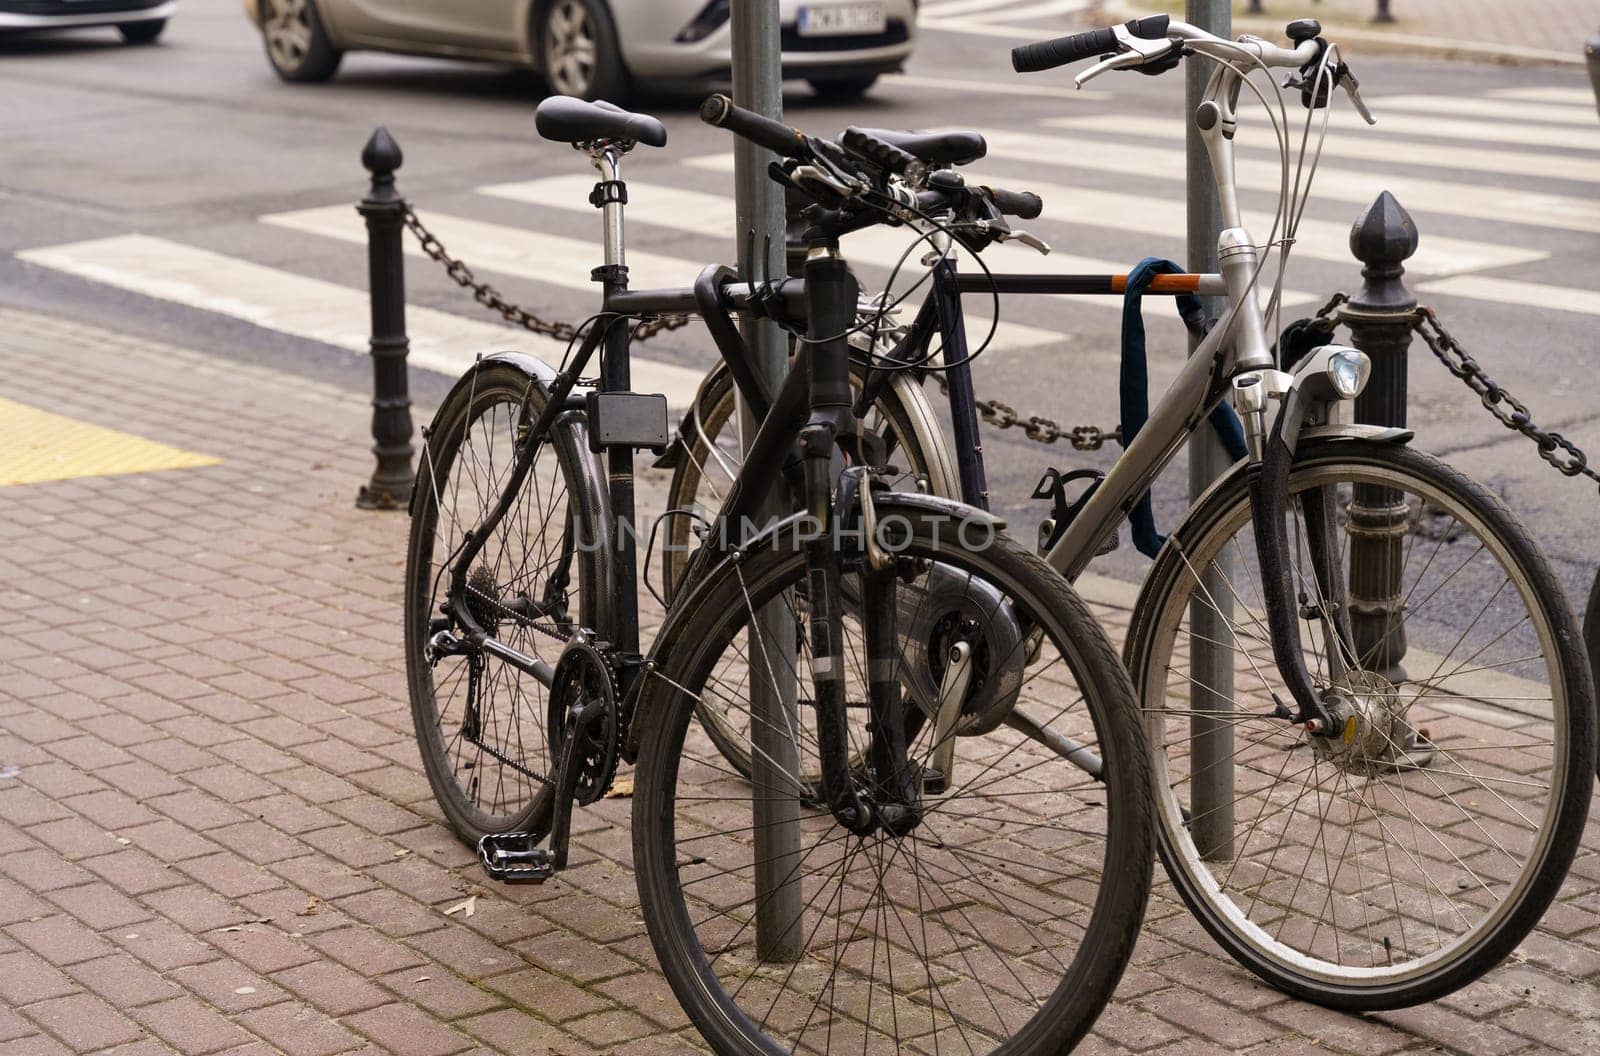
1488 136
1499 204
1514 291
1559 96
941 8
309 308
1342 145
1020 87
1041 9
1473 106
705 213
1319 239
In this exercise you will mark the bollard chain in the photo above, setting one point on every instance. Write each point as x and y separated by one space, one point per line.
491 298
1554 448
1326 318
1037 427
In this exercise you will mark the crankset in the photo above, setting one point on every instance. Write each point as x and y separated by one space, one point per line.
584 732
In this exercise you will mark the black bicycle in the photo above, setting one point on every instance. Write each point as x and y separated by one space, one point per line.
1371 714
868 848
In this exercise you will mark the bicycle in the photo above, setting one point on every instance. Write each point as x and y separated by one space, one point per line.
882 773
1372 804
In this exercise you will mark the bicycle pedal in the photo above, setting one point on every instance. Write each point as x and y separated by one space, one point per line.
510 858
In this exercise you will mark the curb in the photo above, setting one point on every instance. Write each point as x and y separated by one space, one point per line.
1383 42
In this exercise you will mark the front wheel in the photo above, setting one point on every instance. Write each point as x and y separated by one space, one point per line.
1000 921
146 32
1406 851
578 50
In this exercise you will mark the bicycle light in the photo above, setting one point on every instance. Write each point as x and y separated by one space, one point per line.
1334 372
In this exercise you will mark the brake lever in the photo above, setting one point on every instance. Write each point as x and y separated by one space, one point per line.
1114 62
1352 88
1033 242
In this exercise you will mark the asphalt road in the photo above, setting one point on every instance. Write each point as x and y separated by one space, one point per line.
193 141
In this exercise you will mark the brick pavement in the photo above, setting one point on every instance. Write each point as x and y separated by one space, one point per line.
219 838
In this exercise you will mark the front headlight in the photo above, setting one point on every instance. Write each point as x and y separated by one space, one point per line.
1348 370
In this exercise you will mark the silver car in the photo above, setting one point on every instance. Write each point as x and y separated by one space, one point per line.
139 21
591 48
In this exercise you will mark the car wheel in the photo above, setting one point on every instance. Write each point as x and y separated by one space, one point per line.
142 32
846 90
578 50
297 45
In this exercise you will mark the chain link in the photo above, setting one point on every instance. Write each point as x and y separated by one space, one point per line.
492 299
1554 448
1037 427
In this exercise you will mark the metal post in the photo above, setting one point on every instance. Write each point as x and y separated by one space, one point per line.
759 210
385 212
1380 318
1383 14
1255 8
1591 52
1211 740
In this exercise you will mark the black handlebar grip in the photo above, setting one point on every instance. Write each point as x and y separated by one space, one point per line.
1150 27
776 136
1023 204
1048 54
885 156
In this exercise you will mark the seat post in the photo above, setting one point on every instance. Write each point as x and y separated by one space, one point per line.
608 162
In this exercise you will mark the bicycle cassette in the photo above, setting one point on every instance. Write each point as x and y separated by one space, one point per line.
583 700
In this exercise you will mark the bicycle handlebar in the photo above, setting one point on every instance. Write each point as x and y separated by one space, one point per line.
1048 54
1022 204
718 110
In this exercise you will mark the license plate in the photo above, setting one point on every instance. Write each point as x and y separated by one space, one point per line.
841 20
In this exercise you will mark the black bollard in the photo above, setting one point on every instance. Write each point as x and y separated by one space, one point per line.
1383 14
1591 53
1380 319
385 213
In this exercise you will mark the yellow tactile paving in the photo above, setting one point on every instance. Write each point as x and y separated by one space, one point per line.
37 446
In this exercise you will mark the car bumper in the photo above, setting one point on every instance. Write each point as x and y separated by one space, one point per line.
652 53
40 14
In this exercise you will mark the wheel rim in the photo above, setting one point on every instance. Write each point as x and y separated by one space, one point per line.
487 720
1415 895
980 925
287 27
570 51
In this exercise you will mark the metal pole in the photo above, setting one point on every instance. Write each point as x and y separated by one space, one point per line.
1591 53
385 212
1383 14
1380 318
758 208
1210 622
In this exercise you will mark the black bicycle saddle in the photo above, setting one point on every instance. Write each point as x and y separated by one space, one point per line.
568 120
935 148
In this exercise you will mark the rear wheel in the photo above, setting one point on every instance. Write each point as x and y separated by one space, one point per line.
1000 921
578 50
145 32
482 724
297 44
1402 856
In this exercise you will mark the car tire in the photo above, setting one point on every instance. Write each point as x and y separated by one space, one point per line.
142 32
844 90
297 45
578 51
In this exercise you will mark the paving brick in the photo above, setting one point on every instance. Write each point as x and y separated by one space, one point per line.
545 995
169 841
25 978
190 1026
133 871
513 1031
200 811
325 877
262 947
332 987
228 875
300 1029
405 1031
83 1021
59 940
195 909
122 981
43 870
111 809
366 950
434 988
37 1045
391 912
164 946
99 905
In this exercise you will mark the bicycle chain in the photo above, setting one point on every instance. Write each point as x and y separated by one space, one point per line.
492 299
1037 427
1567 458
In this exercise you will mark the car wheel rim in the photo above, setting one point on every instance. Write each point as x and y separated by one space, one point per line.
569 48
288 31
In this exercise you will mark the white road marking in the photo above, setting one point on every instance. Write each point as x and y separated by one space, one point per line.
310 308
1559 96
941 8
1342 143
976 88
1486 136
1499 204
1515 291
1493 109
706 213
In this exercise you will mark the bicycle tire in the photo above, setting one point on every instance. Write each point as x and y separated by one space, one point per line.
506 741
1403 770
670 855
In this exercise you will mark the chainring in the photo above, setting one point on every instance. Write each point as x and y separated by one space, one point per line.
583 677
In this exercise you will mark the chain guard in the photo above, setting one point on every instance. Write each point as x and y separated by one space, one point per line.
582 677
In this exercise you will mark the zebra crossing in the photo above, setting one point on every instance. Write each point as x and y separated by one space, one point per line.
1429 150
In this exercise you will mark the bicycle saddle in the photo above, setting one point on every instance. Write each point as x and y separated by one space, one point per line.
935 148
568 120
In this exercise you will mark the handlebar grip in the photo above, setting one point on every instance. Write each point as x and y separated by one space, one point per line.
1048 54
1022 204
776 136
884 155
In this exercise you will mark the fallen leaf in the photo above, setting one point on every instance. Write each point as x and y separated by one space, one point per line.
466 908
622 788
401 854
422 978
